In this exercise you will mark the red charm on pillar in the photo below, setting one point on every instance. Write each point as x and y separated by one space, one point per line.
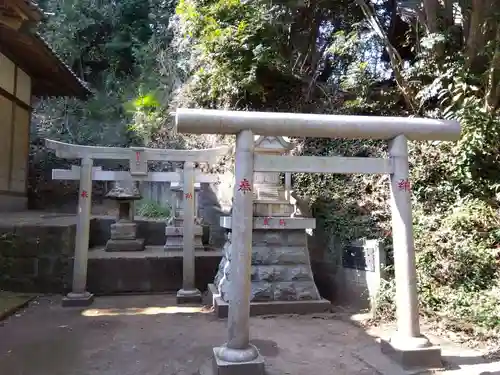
266 221
137 158
84 194
404 185
189 196
282 222
244 186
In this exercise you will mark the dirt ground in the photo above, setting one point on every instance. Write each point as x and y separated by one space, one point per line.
148 335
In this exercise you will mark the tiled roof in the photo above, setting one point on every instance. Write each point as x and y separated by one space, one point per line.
34 6
48 46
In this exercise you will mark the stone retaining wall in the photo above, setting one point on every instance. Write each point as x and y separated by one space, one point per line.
36 258
147 275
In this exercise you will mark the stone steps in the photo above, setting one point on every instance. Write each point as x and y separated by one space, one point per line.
153 270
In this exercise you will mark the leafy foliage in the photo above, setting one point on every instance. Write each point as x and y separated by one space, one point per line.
122 51
152 209
404 58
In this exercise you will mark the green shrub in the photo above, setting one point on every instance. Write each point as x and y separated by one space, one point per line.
152 209
457 258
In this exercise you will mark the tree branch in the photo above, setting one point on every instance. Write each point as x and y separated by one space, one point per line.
395 58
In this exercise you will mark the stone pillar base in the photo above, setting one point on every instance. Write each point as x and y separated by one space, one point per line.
253 367
175 238
281 269
425 357
78 300
125 245
189 296
221 308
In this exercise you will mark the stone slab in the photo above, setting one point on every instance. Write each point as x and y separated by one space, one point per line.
149 271
272 209
220 367
275 223
418 358
114 245
79 301
177 244
189 297
221 308
179 231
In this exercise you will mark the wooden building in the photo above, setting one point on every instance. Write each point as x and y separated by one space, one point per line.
29 69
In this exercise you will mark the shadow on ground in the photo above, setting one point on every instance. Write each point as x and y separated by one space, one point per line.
135 335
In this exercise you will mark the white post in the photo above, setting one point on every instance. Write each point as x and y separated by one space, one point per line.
79 296
238 350
288 185
404 252
188 293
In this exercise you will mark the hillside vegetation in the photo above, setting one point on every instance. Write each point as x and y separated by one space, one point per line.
438 59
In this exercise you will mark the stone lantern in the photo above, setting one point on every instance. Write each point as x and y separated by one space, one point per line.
124 230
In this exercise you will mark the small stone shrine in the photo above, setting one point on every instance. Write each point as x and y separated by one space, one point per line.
124 230
281 269
174 231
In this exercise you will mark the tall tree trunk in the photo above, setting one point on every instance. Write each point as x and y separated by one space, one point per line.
476 40
465 11
493 93
432 11
448 13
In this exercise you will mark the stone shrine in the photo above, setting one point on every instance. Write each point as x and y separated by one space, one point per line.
281 269
124 230
174 231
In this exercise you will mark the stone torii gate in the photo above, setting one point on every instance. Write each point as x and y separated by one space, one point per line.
138 158
407 345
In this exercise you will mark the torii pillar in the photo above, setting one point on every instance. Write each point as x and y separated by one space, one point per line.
408 346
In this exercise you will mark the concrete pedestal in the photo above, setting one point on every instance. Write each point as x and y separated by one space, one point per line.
281 277
252 367
221 307
78 299
175 237
136 244
123 237
415 353
189 296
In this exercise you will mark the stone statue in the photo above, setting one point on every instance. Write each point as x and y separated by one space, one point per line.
300 205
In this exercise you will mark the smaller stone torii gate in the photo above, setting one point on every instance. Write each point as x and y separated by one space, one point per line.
407 345
138 158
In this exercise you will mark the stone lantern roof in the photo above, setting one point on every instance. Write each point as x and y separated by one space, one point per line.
272 144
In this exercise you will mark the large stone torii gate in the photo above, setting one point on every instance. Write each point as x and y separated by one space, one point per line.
408 346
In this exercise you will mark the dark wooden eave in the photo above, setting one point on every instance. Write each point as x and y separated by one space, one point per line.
27 49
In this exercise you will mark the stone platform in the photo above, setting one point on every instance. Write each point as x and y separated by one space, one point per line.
281 277
221 307
149 271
